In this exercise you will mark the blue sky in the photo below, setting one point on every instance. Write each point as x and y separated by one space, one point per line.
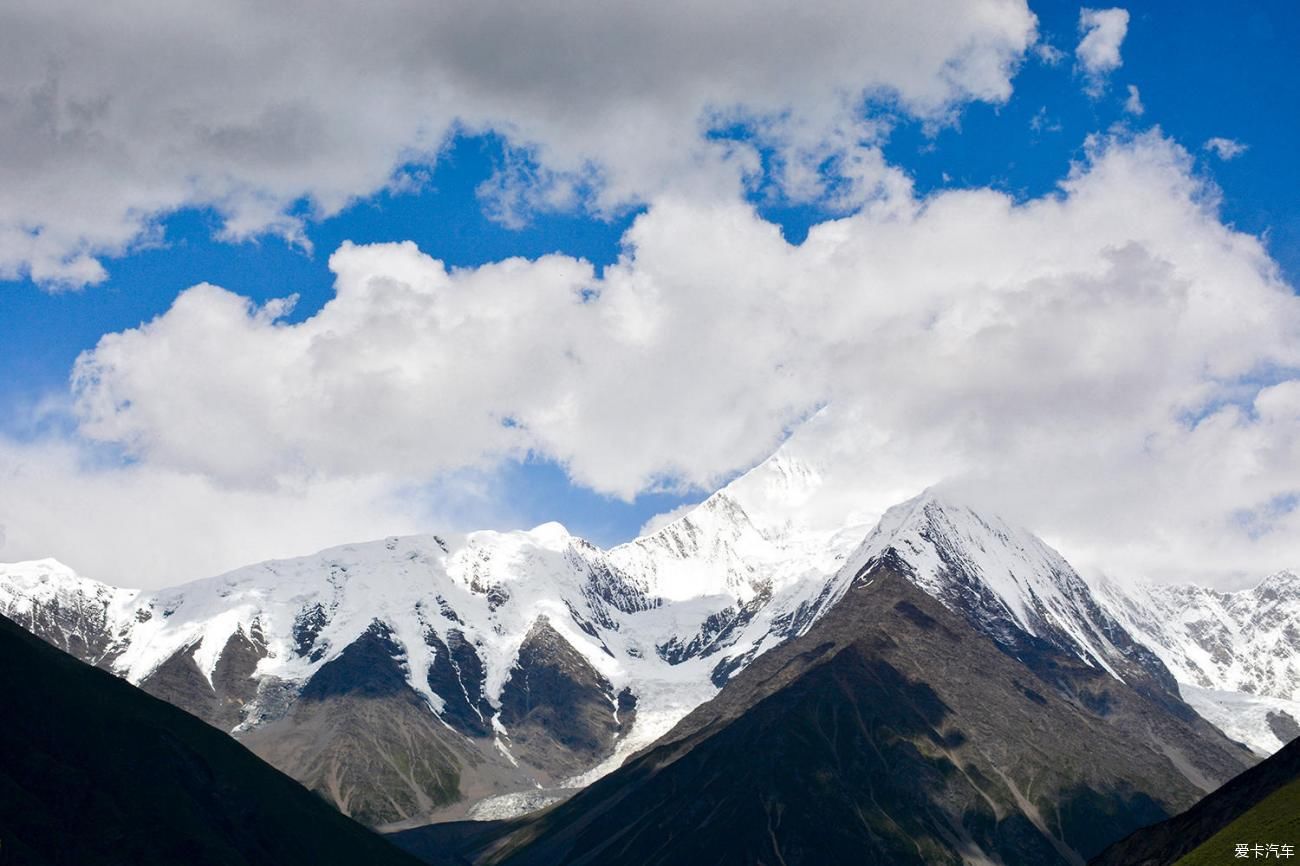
1202 70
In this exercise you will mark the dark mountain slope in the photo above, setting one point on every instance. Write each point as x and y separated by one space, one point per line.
893 732
95 771
1261 805
360 737
557 707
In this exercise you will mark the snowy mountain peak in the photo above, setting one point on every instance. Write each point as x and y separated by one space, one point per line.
940 536
1281 586
773 494
72 612
40 575
1236 655
778 525
1008 582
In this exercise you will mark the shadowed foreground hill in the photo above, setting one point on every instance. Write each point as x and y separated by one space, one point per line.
95 771
1261 806
893 732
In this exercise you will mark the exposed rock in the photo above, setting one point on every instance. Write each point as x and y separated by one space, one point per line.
558 709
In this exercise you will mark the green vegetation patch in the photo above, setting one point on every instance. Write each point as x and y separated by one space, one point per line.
1274 820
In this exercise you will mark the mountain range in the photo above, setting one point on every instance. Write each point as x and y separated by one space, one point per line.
485 675
895 731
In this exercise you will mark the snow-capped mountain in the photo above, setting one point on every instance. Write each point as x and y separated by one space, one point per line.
1009 584
634 638
73 613
1236 655
491 664
1245 641
453 615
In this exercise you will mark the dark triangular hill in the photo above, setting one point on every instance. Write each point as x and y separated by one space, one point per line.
95 771
1262 805
893 732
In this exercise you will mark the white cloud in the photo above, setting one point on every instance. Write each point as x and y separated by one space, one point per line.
143 525
1103 32
659 521
1112 358
146 526
1048 53
111 117
1133 104
1042 122
1225 148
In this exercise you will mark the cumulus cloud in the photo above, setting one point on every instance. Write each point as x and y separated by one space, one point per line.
1225 148
1102 33
111 118
1111 357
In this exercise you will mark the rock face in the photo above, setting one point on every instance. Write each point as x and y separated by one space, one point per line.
893 732
380 760
557 707
95 771
219 700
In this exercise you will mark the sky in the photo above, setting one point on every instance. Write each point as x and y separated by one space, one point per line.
274 280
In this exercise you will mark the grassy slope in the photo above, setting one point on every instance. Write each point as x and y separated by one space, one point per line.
1275 819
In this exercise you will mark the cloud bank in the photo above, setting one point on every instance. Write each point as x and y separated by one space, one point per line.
1111 356
1110 359
113 116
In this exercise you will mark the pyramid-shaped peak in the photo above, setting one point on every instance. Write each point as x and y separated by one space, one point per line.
950 525
1007 581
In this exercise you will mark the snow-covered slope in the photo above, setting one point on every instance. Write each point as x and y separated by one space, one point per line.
1236 654
1264 723
656 618
1245 641
1007 582
489 587
72 612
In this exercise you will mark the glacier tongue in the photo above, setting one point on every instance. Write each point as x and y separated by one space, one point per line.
1262 722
